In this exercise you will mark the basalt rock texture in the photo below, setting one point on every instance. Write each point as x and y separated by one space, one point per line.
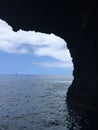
76 22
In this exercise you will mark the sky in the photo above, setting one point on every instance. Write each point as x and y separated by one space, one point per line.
30 52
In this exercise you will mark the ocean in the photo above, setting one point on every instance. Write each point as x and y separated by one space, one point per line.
38 102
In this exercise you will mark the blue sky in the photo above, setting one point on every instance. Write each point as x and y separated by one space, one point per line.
30 52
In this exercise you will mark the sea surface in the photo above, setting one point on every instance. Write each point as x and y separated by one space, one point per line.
38 102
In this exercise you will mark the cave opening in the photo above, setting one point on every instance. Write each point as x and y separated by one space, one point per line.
75 22
49 53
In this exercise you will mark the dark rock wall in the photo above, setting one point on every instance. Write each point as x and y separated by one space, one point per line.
75 21
84 89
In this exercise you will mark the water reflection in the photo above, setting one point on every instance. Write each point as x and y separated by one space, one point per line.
39 103
78 119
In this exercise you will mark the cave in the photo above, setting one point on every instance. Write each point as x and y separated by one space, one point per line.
75 22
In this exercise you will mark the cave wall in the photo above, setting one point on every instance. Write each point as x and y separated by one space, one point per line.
83 91
76 22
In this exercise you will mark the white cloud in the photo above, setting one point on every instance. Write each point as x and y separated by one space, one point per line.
36 43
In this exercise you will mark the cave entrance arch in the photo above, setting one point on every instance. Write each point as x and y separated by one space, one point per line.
76 22
49 53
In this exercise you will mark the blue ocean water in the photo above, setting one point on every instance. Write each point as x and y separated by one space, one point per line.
38 102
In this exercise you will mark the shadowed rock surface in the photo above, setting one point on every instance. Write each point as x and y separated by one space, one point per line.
76 22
